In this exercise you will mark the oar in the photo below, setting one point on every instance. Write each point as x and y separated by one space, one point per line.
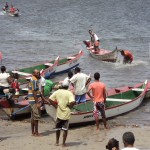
1 58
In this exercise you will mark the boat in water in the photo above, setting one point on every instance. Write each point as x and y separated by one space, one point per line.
102 54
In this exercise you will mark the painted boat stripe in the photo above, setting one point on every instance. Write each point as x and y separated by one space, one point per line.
71 57
138 89
48 64
118 100
21 73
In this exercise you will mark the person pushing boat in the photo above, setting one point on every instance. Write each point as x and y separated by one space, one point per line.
128 56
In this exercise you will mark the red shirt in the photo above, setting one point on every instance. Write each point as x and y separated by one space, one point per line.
128 54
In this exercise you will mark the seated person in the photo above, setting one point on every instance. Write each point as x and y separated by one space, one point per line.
12 9
96 47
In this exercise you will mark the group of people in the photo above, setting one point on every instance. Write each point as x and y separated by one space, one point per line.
11 10
72 91
8 83
128 139
95 43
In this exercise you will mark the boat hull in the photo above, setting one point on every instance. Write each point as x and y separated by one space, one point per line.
70 63
114 108
103 55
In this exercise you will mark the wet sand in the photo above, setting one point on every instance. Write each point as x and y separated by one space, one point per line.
17 135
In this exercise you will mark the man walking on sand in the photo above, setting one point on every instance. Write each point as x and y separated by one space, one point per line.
98 90
63 100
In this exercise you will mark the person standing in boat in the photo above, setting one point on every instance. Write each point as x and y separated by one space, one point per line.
98 91
95 42
79 82
63 100
12 9
6 7
127 56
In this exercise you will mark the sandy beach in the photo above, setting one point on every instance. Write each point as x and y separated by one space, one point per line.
17 135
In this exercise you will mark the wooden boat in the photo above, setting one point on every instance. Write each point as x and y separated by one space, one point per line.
68 63
46 69
50 68
116 104
103 54
16 14
15 107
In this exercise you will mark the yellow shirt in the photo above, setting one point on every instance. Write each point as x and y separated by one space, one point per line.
63 98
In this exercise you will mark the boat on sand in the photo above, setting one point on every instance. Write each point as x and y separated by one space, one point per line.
117 103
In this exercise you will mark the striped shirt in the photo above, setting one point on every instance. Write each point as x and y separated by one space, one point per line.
33 86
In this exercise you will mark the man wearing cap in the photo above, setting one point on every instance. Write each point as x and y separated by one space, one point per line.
63 100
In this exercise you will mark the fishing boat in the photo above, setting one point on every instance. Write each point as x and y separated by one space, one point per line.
117 103
46 69
7 12
68 63
103 54
51 68
14 106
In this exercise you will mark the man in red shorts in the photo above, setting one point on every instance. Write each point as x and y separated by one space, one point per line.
98 90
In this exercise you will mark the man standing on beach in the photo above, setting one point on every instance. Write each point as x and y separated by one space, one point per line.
35 101
99 98
79 82
63 100
128 140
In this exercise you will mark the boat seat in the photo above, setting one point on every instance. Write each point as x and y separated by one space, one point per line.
71 57
49 64
22 73
138 89
118 100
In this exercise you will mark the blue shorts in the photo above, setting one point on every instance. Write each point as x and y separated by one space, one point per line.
80 98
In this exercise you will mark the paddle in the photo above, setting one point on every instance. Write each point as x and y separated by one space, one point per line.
1 57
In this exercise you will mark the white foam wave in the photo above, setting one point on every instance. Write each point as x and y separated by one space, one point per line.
1 14
119 64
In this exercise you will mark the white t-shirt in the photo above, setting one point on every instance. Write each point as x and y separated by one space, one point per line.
96 37
79 80
129 148
42 83
3 79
